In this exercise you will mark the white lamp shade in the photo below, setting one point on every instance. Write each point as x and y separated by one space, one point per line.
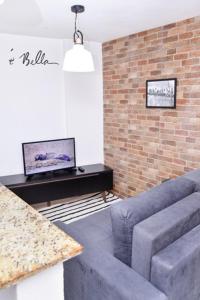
78 59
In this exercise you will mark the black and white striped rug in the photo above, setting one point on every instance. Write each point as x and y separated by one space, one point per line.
82 207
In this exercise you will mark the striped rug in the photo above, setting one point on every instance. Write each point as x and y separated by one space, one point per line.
78 209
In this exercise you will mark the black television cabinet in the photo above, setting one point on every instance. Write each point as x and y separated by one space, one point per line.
54 186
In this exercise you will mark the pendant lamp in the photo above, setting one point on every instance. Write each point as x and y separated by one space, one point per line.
78 59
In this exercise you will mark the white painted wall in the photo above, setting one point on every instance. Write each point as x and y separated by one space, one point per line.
38 103
84 108
32 103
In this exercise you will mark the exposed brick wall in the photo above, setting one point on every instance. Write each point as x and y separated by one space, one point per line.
145 146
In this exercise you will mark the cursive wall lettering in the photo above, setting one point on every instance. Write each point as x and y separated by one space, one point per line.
27 60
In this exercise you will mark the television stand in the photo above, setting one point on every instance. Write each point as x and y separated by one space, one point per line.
54 186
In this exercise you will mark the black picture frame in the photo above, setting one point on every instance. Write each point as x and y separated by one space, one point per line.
152 98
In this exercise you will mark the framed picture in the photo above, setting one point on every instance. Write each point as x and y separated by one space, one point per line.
161 93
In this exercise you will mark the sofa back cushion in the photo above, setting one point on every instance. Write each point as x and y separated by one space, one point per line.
126 214
194 176
176 269
160 230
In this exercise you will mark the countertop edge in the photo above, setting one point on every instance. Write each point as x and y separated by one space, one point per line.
39 269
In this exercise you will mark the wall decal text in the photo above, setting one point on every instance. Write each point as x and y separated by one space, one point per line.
29 60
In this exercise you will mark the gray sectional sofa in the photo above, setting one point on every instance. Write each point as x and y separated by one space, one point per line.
143 248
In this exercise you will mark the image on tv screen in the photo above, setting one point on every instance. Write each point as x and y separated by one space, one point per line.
41 157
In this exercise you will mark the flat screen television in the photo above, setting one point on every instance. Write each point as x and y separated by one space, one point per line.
46 156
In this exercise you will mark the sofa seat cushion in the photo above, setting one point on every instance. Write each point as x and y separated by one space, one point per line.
126 214
160 230
176 269
94 230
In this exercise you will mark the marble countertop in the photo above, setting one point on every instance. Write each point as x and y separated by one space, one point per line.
29 243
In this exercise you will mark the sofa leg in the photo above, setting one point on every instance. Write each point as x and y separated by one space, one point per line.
49 203
104 196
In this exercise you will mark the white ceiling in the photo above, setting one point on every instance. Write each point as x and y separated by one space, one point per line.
103 20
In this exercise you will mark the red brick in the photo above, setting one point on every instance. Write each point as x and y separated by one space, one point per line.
170 39
169 26
192 61
186 35
150 37
181 56
192 95
145 146
190 140
156 72
160 59
170 143
171 51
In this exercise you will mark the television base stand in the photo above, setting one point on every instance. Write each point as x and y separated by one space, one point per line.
49 187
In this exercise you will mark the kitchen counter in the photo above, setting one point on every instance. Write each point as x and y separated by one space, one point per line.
29 243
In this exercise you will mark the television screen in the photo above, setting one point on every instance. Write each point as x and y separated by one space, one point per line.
45 156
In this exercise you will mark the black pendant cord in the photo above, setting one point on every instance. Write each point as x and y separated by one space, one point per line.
78 36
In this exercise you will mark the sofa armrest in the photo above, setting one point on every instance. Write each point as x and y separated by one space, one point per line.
99 275
126 214
160 230
176 269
